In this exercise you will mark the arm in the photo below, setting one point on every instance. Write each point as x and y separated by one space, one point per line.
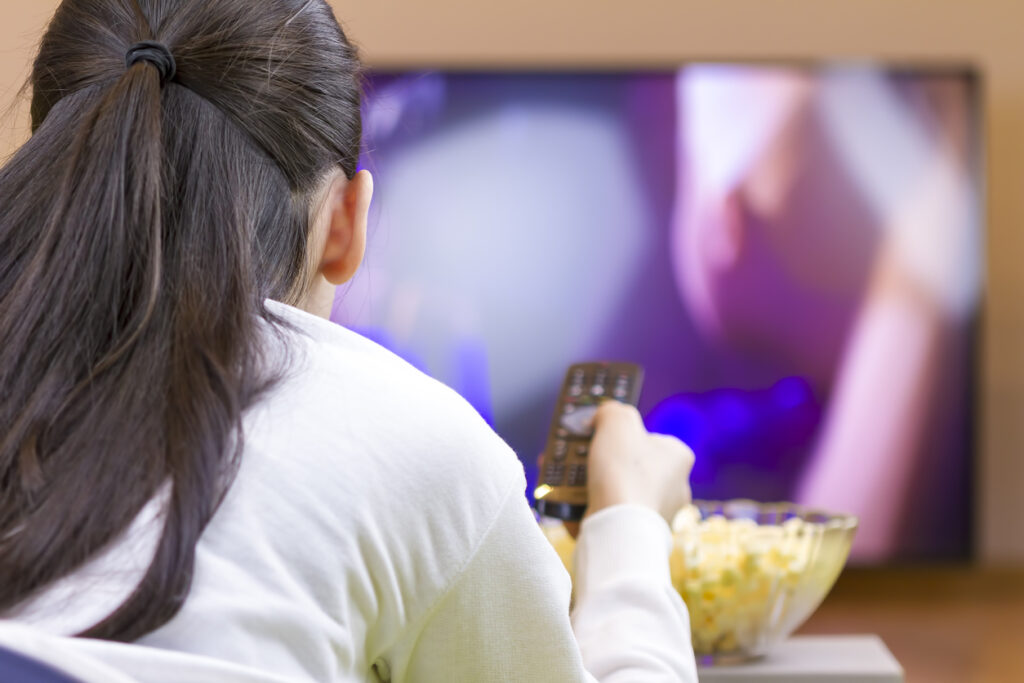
630 622
506 616
873 445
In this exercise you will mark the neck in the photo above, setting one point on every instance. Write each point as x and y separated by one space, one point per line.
320 300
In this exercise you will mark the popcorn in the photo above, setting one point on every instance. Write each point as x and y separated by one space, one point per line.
733 574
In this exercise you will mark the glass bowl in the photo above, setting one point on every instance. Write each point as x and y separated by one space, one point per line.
750 573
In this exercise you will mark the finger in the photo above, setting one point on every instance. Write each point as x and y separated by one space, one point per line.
615 412
675 445
682 498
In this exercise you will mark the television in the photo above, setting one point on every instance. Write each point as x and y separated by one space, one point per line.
791 251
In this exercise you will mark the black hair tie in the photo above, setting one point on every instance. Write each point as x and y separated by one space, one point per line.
156 54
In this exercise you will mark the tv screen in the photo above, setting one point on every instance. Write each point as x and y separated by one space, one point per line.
792 252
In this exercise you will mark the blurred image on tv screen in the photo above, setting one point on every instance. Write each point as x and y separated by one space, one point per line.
791 252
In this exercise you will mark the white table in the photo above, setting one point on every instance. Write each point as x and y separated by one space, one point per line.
815 659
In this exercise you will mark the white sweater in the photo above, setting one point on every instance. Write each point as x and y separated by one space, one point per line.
377 530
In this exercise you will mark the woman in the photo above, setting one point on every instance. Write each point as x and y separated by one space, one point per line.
834 229
194 463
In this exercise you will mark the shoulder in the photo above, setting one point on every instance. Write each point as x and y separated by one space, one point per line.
386 463
360 411
322 357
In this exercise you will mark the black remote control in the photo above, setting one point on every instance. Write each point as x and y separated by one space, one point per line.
562 486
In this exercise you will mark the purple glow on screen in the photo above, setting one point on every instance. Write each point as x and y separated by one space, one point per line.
730 228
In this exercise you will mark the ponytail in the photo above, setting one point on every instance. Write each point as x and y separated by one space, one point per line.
141 228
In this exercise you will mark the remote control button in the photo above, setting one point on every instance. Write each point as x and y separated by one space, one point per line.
578 475
576 382
580 421
597 390
554 474
560 450
582 450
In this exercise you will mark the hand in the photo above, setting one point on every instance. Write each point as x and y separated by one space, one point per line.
629 465
911 159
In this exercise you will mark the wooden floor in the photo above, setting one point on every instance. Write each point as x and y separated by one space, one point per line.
945 624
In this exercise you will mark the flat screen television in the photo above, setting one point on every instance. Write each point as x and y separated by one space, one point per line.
791 251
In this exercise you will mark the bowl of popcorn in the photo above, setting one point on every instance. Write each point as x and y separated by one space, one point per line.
750 573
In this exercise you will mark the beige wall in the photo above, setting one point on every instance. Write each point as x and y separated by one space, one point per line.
21 24
596 33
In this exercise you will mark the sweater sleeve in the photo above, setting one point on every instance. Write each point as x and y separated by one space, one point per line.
506 616
630 622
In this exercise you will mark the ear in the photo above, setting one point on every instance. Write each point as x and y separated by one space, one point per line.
347 209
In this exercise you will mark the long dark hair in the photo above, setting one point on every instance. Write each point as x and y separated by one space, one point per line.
142 226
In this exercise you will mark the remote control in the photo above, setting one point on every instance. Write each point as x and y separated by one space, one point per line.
562 485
